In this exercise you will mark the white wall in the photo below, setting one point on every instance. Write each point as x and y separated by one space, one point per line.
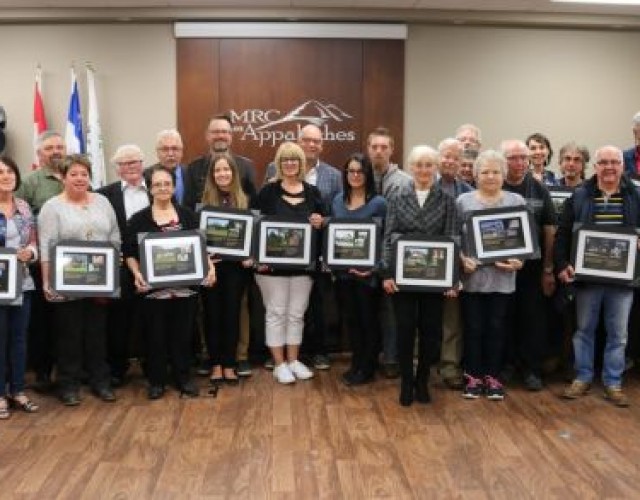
135 81
569 85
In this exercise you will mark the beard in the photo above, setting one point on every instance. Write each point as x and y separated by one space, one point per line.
220 147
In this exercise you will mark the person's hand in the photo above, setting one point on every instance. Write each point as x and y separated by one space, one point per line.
452 293
210 278
566 276
469 265
141 285
24 254
50 294
315 220
360 274
509 265
247 263
263 268
390 286
548 283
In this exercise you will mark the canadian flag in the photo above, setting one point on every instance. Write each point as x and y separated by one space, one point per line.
39 118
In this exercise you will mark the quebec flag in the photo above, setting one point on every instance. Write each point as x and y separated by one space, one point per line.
73 134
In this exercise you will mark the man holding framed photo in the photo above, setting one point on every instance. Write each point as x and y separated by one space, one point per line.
611 200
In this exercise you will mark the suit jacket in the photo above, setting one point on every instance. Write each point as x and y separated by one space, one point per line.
629 156
196 176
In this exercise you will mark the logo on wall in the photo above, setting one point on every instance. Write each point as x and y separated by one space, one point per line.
269 127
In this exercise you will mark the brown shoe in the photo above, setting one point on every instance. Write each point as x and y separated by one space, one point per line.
616 396
576 390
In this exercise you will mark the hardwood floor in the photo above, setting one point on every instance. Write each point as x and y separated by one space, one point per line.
319 439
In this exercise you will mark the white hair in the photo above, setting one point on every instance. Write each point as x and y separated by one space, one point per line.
127 150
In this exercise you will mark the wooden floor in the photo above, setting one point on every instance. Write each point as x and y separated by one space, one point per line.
319 439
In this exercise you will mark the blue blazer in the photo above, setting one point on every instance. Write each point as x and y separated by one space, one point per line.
629 156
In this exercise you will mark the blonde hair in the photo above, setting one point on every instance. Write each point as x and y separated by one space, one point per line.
212 194
290 150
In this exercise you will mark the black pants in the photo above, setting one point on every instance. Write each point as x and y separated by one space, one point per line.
421 312
41 337
221 305
169 331
81 343
314 338
359 301
485 322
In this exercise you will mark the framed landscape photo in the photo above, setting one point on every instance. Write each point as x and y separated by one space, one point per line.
501 233
350 244
173 258
560 194
285 243
10 276
605 255
229 233
425 264
85 269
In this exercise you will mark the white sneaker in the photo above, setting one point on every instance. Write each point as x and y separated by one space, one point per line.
283 374
300 370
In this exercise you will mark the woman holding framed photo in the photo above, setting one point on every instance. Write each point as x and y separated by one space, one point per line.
359 290
17 230
166 311
286 293
81 324
223 189
487 289
420 209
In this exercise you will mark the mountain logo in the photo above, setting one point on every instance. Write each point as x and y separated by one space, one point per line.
311 111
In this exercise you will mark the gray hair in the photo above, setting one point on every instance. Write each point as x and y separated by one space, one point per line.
636 118
308 126
583 151
173 133
47 134
616 149
420 151
450 143
127 150
512 143
490 156
473 128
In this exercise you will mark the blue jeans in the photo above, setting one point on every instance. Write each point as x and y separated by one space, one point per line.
616 303
13 336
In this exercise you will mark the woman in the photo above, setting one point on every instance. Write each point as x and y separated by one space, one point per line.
540 154
222 303
358 290
420 209
487 288
17 230
166 311
78 214
286 294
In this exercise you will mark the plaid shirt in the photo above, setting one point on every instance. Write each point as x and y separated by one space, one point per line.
437 217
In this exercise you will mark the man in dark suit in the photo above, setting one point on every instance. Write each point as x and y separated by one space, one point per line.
127 196
169 149
632 155
219 137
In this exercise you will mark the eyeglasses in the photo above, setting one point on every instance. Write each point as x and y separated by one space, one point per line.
355 171
604 163
165 184
517 158
170 149
129 163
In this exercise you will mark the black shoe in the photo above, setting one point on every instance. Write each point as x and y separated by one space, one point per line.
189 389
533 383
118 381
390 370
42 384
244 368
406 393
422 393
104 393
70 398
155 392
361 378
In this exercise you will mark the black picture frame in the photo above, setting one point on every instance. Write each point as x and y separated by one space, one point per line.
559 195
425 264
173 258
351 244
228 232
605 254
285 243
85 269
10 276
497 234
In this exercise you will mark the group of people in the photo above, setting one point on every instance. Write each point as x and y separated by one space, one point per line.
497 318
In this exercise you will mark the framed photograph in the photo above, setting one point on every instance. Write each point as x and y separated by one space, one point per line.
10 276
85 269
229 233
425 264
350 244
285 243
501 233
605 255
560 194
173 258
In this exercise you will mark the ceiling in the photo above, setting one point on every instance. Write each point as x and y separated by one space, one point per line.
488 12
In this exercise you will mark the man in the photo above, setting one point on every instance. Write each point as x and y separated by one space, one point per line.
389 180
470 136
219 137
535 280
632 155
573 160
465 172
36 188
127 196
169 149
451 151
610 200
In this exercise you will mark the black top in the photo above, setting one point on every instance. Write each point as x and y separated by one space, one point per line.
270 201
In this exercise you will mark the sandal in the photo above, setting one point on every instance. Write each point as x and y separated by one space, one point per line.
4 409
216 376
21 401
